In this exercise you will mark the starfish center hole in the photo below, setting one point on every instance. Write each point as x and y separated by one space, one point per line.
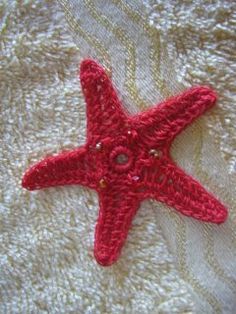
122 159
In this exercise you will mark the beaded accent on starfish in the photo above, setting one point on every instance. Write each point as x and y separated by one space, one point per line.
126 159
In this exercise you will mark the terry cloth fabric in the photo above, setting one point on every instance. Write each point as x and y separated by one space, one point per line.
170 263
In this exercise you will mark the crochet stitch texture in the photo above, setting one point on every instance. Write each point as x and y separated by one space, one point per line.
126 159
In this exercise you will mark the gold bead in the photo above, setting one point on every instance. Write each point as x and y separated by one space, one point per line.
102 184
154 153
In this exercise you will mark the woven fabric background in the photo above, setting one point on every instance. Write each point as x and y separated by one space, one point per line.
152 49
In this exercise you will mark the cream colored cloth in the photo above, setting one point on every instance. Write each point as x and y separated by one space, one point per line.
170 263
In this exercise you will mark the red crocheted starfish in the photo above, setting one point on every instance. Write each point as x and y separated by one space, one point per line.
126 159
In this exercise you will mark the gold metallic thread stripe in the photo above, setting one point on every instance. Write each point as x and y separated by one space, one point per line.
187 275
155 55
208 232
91 40
121 35
155 50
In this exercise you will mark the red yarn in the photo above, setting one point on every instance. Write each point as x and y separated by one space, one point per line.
127 159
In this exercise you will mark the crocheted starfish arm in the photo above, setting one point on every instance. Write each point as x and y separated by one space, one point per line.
163 122
117 209
73 167
186 195
105 116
